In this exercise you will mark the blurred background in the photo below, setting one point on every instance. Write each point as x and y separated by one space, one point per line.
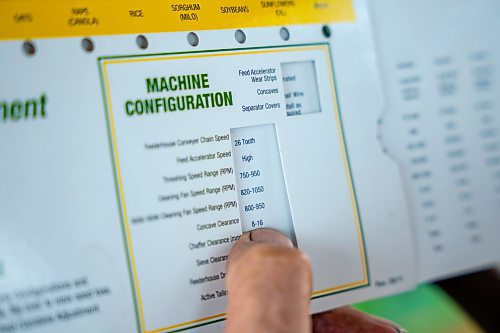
465 304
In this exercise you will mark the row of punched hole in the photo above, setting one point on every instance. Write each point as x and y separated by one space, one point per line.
192 39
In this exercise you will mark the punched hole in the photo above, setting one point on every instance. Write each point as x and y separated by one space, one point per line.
240 36
29 48
327 32
88 44
193 39
142 42
284 34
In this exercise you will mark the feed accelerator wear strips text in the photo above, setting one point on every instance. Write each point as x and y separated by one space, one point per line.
178 103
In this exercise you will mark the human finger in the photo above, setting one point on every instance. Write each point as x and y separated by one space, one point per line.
269 285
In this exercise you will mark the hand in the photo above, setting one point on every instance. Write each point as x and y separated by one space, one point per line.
270 284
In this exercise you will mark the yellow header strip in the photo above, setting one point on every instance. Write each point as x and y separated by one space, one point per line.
20 19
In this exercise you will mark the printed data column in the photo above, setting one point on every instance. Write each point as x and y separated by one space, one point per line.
419 160
484 105
262 194
458 158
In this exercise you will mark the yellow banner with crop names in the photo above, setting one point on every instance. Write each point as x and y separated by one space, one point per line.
28 19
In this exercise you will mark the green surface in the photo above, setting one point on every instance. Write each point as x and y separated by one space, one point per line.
426 309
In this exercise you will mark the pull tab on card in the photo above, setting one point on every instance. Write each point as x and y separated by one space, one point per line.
262 194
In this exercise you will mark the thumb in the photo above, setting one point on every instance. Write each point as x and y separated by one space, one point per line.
269 285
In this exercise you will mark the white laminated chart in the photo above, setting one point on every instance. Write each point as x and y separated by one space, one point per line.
139 140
